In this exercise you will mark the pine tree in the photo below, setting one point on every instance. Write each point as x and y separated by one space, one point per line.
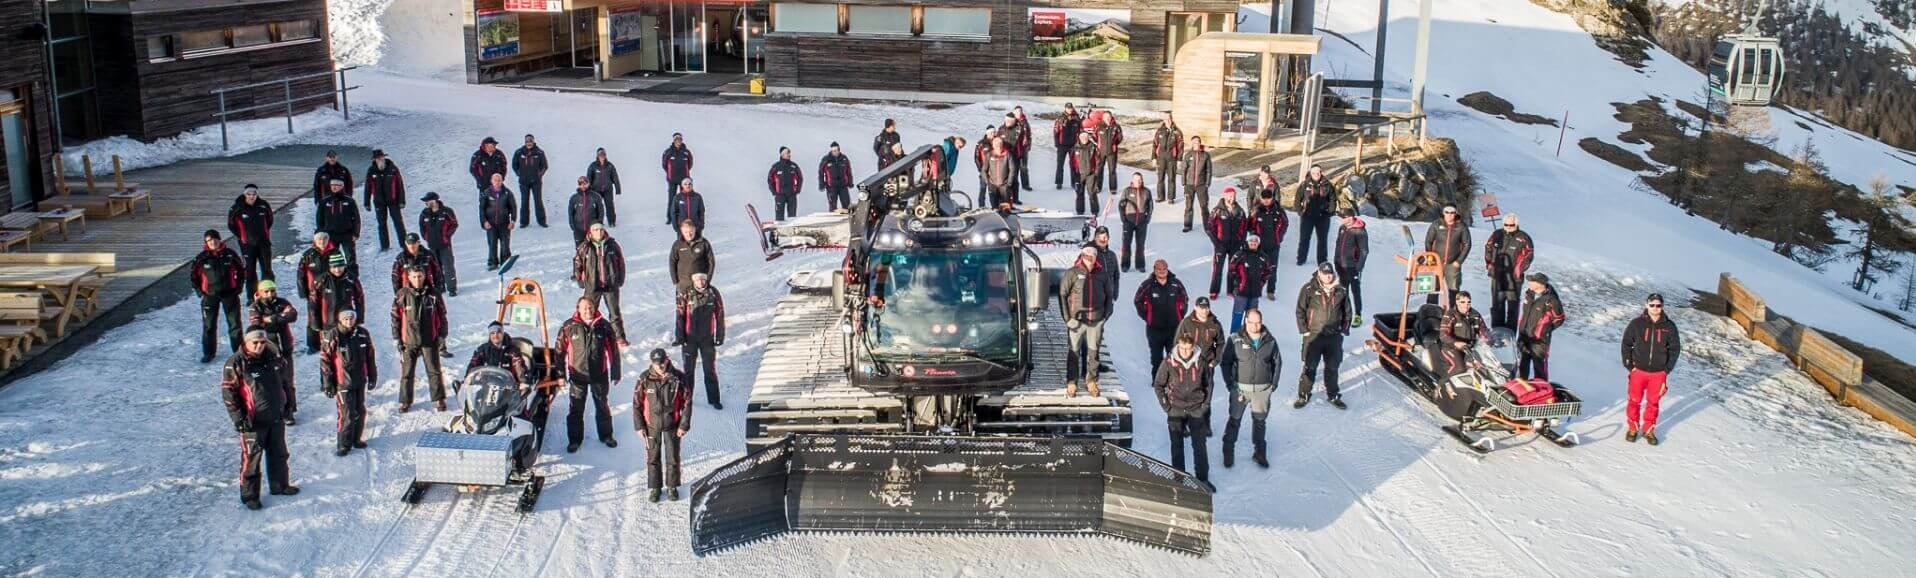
1909 290
1880 221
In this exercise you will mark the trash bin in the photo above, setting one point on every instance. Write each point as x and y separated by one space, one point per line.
758 85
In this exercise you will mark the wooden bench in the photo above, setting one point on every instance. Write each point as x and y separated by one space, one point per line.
88 300
20 317
59 218
10 238
24 221
124 201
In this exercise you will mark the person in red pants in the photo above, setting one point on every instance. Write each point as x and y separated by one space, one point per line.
1651 345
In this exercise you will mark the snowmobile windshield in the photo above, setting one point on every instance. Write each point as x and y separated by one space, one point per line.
958 302
491 398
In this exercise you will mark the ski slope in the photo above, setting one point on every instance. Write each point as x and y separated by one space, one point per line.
118 461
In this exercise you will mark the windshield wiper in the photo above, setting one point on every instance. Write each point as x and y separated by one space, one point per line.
972 356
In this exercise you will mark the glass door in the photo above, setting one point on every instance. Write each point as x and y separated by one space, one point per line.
1243 81
688 36
17 171
755 17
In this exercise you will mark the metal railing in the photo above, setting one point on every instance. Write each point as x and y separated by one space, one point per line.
286 87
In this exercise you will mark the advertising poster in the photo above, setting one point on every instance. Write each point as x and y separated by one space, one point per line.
628 30
1080 34
498 34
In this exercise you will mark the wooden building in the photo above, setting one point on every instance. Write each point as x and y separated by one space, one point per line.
26 112
152 65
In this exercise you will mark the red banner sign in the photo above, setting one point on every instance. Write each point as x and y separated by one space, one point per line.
535 5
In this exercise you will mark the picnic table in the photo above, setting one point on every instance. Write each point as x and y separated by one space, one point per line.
62 282
28 221
61 216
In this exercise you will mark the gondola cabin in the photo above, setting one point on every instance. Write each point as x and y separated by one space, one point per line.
1746 69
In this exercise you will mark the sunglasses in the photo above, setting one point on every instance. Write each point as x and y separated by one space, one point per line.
1656 305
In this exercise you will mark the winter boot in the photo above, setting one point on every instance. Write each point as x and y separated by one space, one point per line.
609 442
1230 455
1338 402
1257 457
206 358
1301 400
1071 389
359 443
717 406
405 407
672 494
253 504
1092 386
439 405
1630 436
572 448
1650 437
652 496
286 490
341 451
289 419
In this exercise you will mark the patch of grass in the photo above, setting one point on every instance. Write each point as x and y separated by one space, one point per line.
1616 155
1493 105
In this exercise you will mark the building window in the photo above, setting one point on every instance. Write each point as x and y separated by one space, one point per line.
969 22
297 30
1181 27
881 20
253 35
160 47
805 18
202 41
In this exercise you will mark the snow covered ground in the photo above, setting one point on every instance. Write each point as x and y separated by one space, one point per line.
122 451
118 461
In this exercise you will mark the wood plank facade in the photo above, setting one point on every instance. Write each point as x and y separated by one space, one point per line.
927 68
153 83
24 80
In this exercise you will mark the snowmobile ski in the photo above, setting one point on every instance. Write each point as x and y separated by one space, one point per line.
530 495
415 492
1563 440
767 236
878 483
1481 444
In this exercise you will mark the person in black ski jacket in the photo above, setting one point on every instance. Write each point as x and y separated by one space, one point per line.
603 176
1461 328
338 215
334 292
691 253
886 139
1110 138
218 279
1651 346
415 255
1507 255
835 179
1084 162
437 223
698 331
1449 238
274 315
598 266
386 197
495 216
1353 249
1225 228
1167 147
1160 303
1134 213
313 267
1251 365
486 162
251 223
677 164
1183 388
1542 315
1195 171
419 332
347 370
1064 135
1250 267
662 414
1268 221
1315 202
498 350
585 209
1085 298
253 388
1206 333
589 348
1323 319
529 163
785 179
330 171
689 205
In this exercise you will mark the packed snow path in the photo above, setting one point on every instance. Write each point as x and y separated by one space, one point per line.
120 461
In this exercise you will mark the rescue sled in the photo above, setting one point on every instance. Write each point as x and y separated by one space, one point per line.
1477 400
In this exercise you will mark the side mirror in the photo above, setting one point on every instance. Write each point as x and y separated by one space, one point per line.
1036 292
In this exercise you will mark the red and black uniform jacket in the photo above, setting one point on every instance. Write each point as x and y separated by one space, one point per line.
424 259
1183 386
333 295
1508 255
338 215
689 257
1110 136
1167 146
1084 158
1353 248
599 265
254 388
275 316
504 356
385 187
1449 242
312 269
590 350
496 207
529 163
691 205
785 178
346 359
1136 205
1207 335
1323 310
677 163
1315 198
419 318
1225 227
323 178
1085 295
583 209
1160 304
437 226
251 225
662 402
485 164
1651 346
1249 270
1064 130
218 272
835 172
1023 145
603 178
701 317
1269 223
1541 316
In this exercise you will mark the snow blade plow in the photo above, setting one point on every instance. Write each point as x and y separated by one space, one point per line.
940 484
